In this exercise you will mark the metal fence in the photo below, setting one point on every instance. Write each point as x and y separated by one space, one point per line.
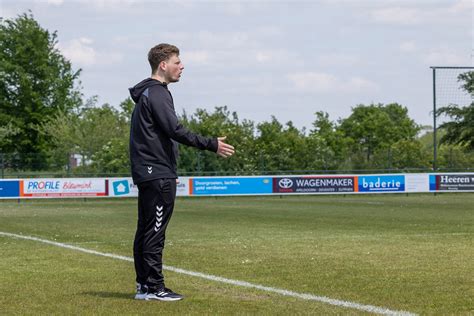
40 166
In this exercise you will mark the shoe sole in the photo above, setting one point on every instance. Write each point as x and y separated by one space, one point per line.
165 299
140 297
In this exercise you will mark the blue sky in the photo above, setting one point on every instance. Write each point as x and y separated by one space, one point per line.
262 58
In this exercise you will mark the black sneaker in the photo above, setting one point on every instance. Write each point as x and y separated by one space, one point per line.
141 292
163 294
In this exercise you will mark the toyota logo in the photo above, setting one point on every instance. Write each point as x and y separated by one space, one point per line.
285 183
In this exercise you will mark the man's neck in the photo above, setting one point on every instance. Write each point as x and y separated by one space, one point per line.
159 78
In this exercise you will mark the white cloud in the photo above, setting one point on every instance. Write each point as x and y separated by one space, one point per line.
338 59
110 4
417 12
49 2
408 47
263 57
319 82
271 57
200 57
446 57
55 2
7 13
80 52
358 84
233 8
397 15
462 6
313 81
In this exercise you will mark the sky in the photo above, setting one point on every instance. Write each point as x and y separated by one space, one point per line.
287 59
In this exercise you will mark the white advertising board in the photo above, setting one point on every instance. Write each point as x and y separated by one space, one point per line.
124 187
66 187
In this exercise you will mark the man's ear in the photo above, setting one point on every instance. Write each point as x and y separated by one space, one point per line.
162 65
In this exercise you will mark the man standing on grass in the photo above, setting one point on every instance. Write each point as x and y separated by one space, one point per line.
153 154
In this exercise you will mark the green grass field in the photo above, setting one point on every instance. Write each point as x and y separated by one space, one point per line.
412 253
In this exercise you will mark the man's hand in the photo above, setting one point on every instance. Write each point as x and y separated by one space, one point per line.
223 149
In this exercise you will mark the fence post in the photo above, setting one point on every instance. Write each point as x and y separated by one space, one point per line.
68 168
389 158
435 155
198 153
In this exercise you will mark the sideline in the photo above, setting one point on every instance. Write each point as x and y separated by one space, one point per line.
304 296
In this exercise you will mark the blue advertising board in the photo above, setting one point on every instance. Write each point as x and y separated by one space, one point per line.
433 182
231 185
382 183
9 188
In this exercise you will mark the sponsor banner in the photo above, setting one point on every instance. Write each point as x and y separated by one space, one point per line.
452 182
417 182
314 184
231 185
381 183
9 188
183 187
124 187
244 185
72 187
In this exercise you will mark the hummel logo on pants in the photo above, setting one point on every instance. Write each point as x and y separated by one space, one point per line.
159 217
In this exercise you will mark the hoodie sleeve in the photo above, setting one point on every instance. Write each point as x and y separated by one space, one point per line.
164 114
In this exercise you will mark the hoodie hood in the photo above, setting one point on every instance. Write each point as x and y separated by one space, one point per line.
139 88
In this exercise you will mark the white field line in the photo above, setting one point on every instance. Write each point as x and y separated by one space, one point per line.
304 296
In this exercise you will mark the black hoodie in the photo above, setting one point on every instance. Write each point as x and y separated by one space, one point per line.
154 128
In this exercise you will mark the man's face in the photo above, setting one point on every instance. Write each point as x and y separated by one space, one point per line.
173 68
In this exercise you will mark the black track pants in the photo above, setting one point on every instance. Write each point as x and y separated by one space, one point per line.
155 207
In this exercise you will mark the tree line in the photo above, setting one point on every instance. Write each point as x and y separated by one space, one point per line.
44 121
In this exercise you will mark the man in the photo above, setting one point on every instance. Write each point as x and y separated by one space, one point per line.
153 154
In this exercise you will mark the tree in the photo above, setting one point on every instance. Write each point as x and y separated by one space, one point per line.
280 147
36 83
375 127
408 154
460 130
99 134
221 122
327 146
454 157
113 156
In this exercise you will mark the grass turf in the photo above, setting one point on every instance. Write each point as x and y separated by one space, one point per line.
412 253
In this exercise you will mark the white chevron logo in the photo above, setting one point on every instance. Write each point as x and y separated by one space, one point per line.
157 227
150 169
159 211
159 217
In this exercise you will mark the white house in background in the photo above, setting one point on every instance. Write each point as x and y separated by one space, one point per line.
76 160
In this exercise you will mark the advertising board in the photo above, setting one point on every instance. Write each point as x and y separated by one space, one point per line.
243 185
381 183
231 185
124 187
9 188
314 184
67 187
452 182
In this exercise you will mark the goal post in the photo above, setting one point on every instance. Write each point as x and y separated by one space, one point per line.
447 90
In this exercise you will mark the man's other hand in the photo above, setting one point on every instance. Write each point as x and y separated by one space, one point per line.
223 149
